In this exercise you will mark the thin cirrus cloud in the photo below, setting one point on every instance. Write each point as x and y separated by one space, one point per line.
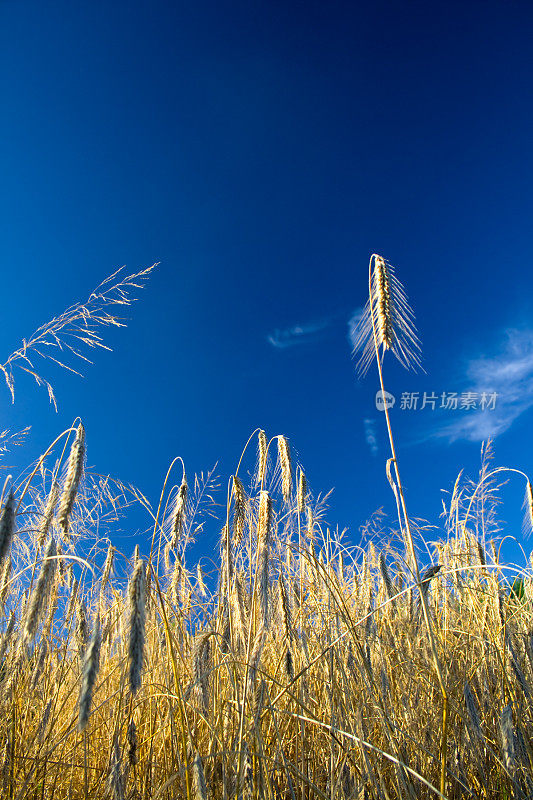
370 435
283 338
509 374
311 332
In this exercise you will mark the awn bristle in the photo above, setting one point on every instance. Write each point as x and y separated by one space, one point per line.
41 590
302 492
239 510
178 515
7 526
137 623
286 468
91 665
72 481
263 544
262 460
48 514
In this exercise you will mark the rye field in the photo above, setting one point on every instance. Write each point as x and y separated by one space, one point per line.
302 666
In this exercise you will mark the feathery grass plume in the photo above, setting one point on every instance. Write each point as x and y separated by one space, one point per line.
388 316
262 456
137 622
239 509
77 325
178 514
199 785
48 514
528 505
108 566
302 492
72 481
7 526
41 590
263 544
507 735
91 665
286 468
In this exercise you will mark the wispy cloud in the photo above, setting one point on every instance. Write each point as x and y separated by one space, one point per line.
370 435
310 332
353 322
282 338
509 373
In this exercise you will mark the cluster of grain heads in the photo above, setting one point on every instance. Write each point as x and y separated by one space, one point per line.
72 480
137 622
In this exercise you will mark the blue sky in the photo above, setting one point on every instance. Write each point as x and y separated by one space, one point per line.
261 152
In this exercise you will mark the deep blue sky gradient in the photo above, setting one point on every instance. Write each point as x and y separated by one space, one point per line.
261 151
